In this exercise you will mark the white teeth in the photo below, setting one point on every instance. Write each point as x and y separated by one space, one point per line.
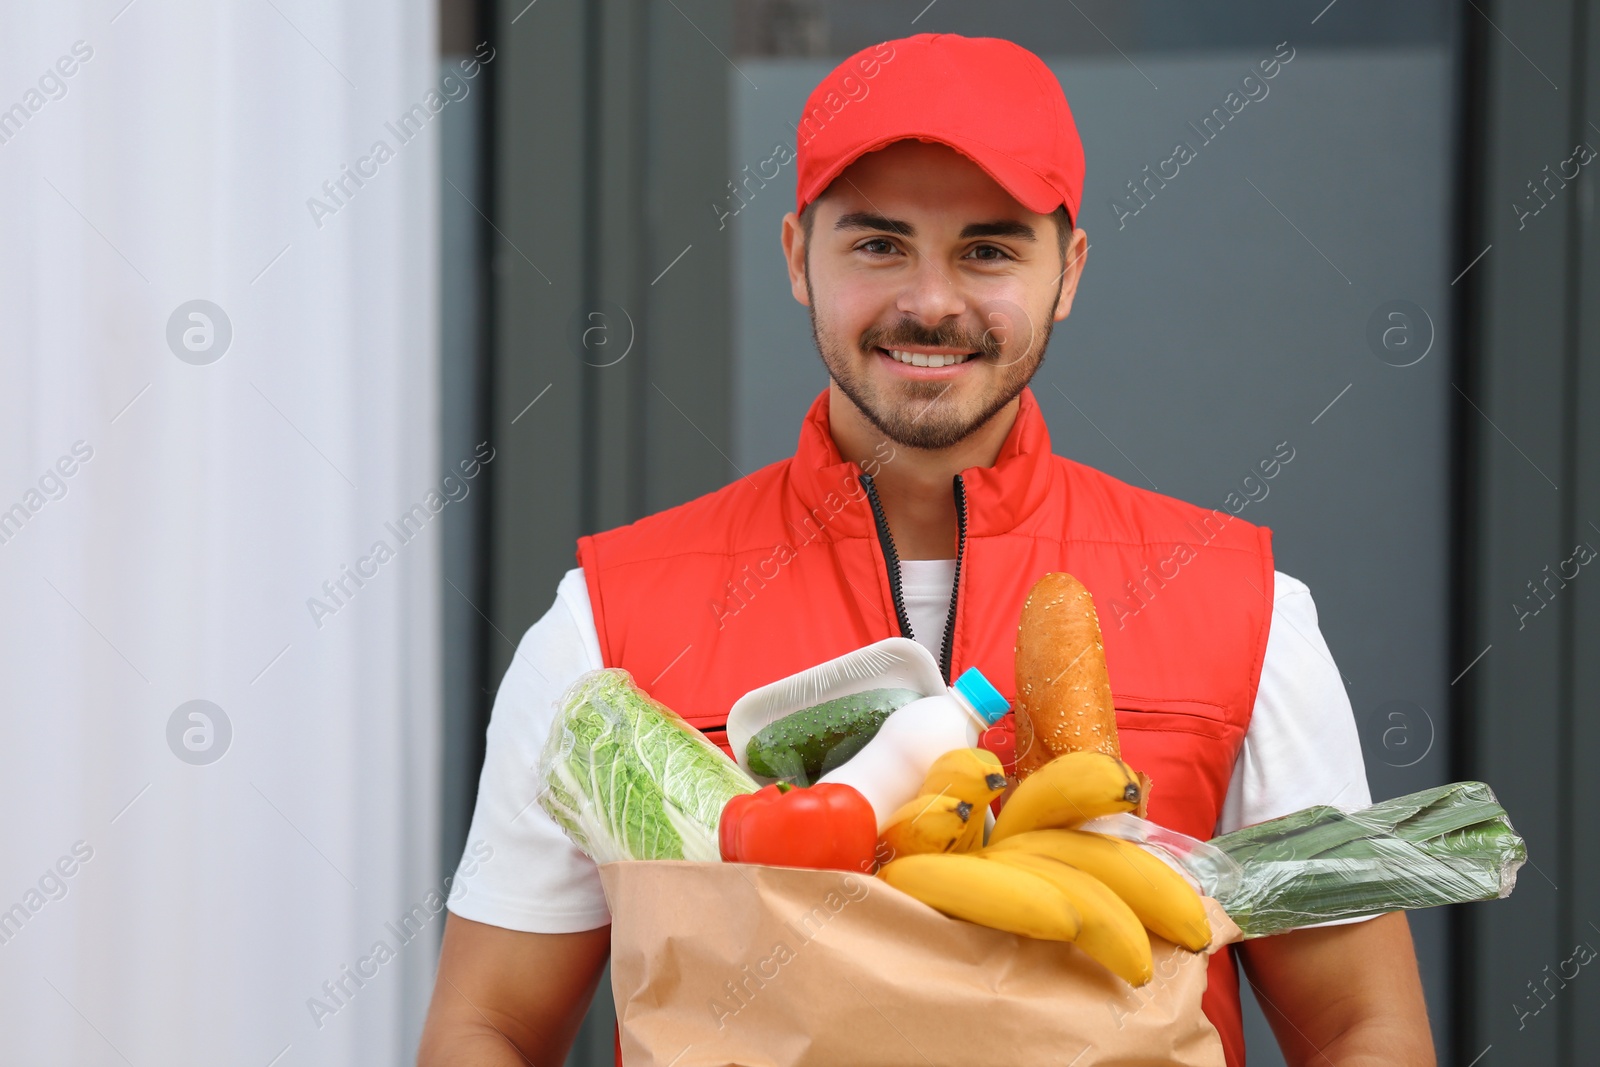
923 359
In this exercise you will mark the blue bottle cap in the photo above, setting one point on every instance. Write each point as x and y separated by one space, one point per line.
983 696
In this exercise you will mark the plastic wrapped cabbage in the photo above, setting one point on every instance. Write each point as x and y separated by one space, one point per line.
628 779
1446 845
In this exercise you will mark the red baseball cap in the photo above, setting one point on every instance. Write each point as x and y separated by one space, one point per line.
993 101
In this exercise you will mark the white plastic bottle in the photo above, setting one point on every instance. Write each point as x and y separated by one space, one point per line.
890 768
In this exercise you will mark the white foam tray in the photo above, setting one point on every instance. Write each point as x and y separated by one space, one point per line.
895 662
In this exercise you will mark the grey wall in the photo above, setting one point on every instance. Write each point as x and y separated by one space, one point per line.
1533 306
462 355
610 138
1222 319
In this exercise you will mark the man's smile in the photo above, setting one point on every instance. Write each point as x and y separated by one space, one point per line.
925 363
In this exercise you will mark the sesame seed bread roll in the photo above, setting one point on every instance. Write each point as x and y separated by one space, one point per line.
1063 691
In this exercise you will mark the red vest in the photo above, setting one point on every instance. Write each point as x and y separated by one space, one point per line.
787 567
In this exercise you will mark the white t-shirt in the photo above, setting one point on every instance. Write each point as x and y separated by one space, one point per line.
1300 749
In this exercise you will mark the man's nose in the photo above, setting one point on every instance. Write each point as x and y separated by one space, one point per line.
931 294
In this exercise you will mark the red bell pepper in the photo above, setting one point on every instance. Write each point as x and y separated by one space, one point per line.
829 825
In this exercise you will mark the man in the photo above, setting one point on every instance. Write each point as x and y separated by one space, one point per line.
933 242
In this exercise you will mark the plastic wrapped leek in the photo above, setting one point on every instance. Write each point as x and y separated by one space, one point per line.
1447 845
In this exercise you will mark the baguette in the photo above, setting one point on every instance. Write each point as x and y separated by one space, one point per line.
1064 699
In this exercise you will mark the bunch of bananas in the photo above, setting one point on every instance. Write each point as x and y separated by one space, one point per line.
1037 875
948 814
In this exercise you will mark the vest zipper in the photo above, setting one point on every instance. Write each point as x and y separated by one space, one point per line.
891 557
945 665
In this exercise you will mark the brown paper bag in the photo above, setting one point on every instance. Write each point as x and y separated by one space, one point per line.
734 965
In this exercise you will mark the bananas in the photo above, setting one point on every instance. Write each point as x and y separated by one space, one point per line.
948 816
1038 877
999 895
929 823
976 776
972 840
1110 933
1161 898
973 774
1069 790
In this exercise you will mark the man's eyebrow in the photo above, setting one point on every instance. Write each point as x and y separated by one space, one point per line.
866 220
1021 231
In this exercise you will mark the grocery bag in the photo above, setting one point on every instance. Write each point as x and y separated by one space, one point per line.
737 965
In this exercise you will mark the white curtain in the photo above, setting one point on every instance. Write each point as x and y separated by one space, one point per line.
168 509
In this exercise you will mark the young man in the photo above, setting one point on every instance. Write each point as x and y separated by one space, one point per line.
933 242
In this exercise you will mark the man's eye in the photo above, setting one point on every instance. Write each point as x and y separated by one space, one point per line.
989 253
877 246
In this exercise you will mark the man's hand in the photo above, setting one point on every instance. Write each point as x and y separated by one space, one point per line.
508 998
1343 996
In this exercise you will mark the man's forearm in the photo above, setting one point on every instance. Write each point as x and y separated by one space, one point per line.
1370 1043
465 1045
509 998
1343 996
1376 1044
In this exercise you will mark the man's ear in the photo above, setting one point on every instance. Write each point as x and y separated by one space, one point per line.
794 255
1077 255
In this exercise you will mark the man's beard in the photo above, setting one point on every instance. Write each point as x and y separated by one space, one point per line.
914 418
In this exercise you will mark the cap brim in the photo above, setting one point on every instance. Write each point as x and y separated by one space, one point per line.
1024 185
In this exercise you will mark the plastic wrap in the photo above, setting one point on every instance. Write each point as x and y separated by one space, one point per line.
1446 845
1209 869
628 779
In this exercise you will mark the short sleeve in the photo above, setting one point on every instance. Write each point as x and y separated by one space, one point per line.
519 870
1302 747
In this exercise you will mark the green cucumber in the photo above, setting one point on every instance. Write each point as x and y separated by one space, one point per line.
808 743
